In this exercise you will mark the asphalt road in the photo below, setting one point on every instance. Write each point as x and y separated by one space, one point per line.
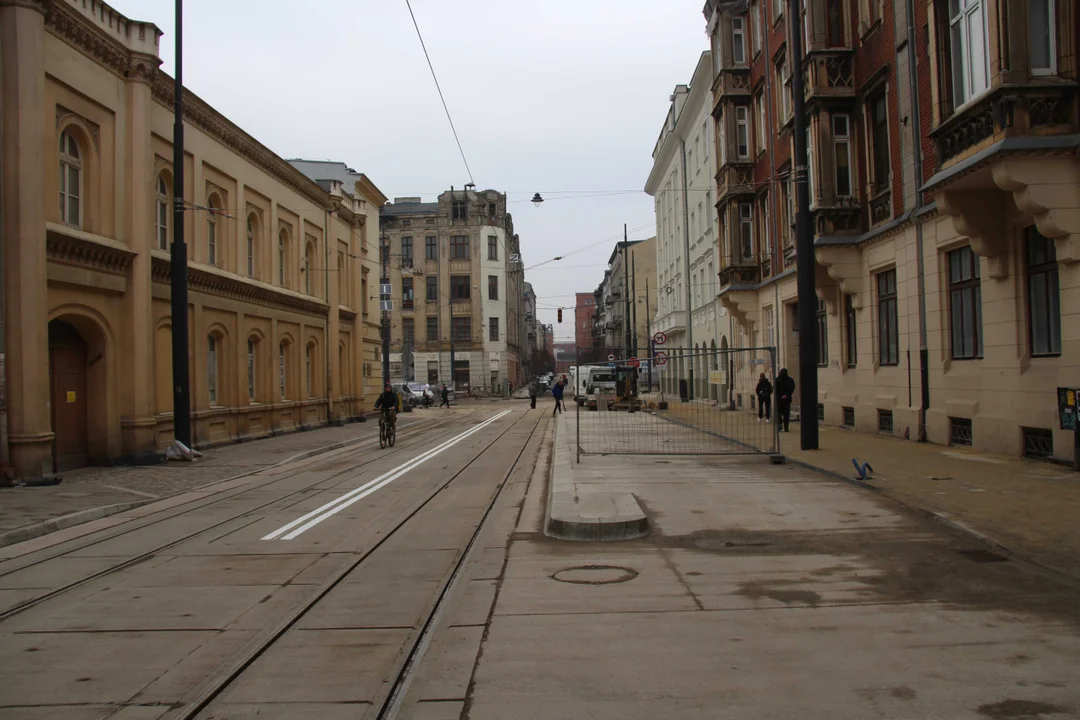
301 591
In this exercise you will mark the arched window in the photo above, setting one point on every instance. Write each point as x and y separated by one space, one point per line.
309 359
161 214
282 351
212 361
309 265
212 230
251 245
70 181
252 346
282 253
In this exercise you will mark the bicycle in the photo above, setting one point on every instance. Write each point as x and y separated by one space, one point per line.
387 432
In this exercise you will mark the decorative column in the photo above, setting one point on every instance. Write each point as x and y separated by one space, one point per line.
138 409
26 142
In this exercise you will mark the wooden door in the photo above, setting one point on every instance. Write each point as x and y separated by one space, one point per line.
67 374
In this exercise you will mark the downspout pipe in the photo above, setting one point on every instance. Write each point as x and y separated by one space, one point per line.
924 354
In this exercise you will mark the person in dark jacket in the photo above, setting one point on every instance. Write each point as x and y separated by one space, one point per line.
785 389
533 391
764 398
445 397
557 393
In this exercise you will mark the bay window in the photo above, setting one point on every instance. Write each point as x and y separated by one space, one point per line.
968 47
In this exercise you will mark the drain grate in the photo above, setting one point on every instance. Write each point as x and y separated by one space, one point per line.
983 556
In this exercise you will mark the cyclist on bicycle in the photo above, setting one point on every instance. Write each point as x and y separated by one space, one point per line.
390 404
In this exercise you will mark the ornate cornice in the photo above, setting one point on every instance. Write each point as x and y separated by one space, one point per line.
109 53
212 283
201 115
86 253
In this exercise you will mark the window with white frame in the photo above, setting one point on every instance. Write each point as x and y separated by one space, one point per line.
841 126
705 140
968 48
738 41
281 371
251 246
879 140
757 17
722 139
309 353
70 181
212 230
766 245
283 239
161 214
742 132
1042 37
762 128
783 92
770 327
810 162
212 369
789 188
251 370
777 10
746 231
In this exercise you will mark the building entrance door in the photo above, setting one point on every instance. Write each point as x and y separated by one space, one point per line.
67 379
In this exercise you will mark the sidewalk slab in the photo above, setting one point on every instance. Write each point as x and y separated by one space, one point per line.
583 505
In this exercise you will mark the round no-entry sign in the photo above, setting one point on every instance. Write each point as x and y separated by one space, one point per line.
611 358
660 358
633 362
660 338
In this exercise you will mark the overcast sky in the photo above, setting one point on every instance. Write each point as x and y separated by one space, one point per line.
555 96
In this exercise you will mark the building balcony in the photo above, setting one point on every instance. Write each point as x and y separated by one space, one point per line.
1006 111
461 308
829 76
734 178
742 273
670 322
730 83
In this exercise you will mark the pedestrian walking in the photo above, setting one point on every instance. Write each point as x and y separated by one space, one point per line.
764 398
533 391
785 389
557 393
445 397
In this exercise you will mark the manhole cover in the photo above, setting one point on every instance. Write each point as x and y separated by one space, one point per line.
595 575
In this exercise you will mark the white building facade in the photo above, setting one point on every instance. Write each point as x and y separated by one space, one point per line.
682 185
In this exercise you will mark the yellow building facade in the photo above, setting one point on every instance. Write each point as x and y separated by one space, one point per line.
280 308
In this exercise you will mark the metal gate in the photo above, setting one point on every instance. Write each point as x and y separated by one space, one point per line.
704 403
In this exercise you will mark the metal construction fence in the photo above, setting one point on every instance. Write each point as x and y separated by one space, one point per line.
704 403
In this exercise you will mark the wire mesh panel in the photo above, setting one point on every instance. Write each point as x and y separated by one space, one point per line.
704 403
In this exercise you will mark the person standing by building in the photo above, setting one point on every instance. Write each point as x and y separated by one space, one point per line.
533 391
445 397
764 397
785 389
557 393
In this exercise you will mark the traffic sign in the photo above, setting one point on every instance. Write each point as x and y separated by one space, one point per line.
611 365
660 358
611 358
633 362
660 338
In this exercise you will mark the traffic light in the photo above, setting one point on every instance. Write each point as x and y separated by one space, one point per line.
560 314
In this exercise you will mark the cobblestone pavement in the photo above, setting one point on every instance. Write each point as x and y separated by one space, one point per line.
94 487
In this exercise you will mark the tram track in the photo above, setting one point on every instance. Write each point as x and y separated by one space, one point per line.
396 687
434 432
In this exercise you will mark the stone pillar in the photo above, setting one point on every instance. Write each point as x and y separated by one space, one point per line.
25 141
136 358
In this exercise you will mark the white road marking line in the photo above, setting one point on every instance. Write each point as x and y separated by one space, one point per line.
340 503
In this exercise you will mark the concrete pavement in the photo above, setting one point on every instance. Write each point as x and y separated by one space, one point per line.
769 592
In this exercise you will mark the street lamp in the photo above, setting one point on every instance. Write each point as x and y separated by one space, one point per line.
537 199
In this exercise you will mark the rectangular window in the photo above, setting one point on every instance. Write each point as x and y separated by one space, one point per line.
851 331
459 287
384 253
459 247
777 10
746 231
1044 295
461 329
493 247
493 329
432 328
738 41
408 330
810 162
821 333
308 383
965 304
407 293
834 18
1042 37
251 370
460 210
281 372
211 239
968 47
879 134
756 19
431 248
432 293
163 223
770 327
766 231
842 154
721 138
762 127
783 97
888 322
493 287
406 251
742 131
212 369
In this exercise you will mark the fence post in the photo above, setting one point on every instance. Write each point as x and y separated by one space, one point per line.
577 411
775 402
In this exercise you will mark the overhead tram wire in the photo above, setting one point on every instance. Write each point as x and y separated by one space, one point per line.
439 88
